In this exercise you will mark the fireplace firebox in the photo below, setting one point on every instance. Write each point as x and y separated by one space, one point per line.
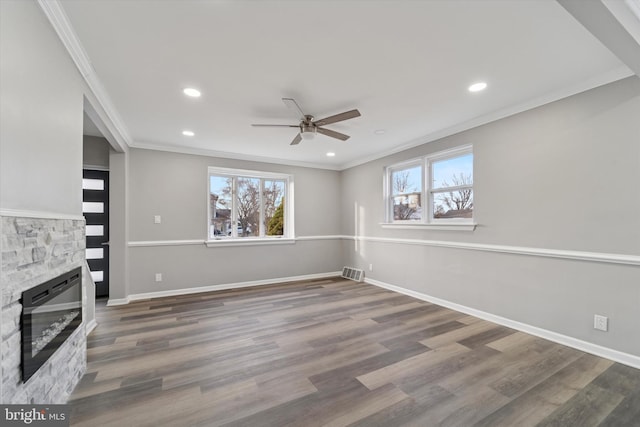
50 313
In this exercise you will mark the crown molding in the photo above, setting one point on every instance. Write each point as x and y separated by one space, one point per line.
601 80
228 155
56 15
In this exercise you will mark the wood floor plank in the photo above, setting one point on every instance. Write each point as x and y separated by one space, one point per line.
431 331
467 407
486 337
408 411
409 366
384 310
376 401
333 352
311 410
627 413
588 408
531 407
516 382
512 341
456 335
309 361
505 370
444 369
337 376
137 412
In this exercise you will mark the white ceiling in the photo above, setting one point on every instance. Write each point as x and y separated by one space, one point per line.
405 65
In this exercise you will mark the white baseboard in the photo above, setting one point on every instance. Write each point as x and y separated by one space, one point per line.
608 353
117 301
237 285
90 326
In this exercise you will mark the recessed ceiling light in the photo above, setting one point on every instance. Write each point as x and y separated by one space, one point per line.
194 93
477 87
331 154
379 131
187 133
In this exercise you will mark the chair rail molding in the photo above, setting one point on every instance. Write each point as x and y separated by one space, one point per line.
610 258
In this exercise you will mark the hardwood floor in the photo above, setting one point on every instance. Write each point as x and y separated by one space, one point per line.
336 353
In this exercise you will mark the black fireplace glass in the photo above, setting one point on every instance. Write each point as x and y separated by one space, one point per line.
50 313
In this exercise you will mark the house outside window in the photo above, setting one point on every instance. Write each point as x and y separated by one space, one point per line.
249 204
435 189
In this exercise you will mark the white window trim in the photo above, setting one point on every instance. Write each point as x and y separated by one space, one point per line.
288 232
427 221
249 241
467 226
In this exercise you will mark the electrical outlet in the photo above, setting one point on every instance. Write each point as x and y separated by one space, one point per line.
600 323
370 267
157 219
158 277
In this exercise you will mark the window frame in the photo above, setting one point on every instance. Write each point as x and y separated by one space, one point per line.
235 174
428 193
390 194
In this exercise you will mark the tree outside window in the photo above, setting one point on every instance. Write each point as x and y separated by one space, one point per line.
406 193
452 186
246 206
444 180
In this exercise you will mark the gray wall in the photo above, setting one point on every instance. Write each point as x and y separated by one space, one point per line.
40 176
41 115
95 152
563 176
174 186
118 225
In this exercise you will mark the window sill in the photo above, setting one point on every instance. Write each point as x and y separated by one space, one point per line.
451 226
249 242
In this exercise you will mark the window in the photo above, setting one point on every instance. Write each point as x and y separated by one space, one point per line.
406 192
436 189
451 190
249 204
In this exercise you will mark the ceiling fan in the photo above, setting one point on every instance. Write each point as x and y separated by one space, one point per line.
309 127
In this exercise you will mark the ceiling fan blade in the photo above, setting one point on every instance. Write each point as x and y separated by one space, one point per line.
338 118
277 126
294 107
333 134
296 140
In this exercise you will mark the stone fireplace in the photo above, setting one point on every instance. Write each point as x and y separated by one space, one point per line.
36 251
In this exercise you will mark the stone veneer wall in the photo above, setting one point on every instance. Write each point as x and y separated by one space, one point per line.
35 250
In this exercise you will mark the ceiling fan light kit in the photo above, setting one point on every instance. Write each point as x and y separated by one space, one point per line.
308 132
309 127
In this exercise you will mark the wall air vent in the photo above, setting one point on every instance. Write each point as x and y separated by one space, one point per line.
353 274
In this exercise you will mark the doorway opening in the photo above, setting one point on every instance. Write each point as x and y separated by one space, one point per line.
95 208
